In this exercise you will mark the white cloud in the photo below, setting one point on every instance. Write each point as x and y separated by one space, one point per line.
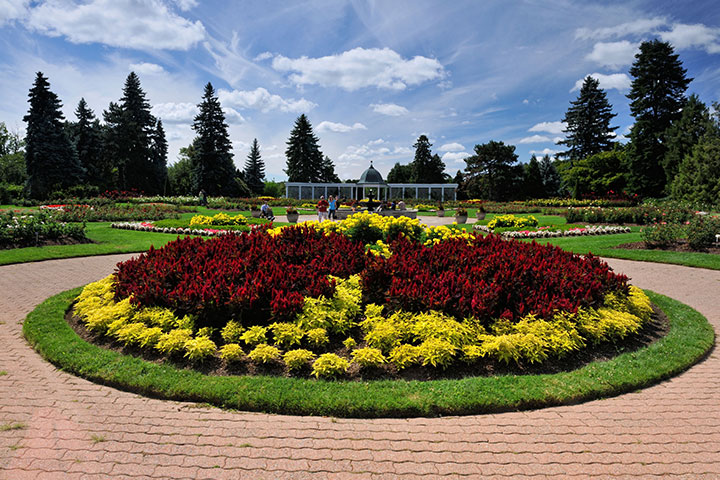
544 151
549 127
261 99
147 25
175 112
636 27
147 68
339 127
13 10
186 112
186 5
390 109
455 157
359 68
263 56
684 36
558 139
535 139
618 81
613 54
452 147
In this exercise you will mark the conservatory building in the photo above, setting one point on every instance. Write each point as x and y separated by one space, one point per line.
372 183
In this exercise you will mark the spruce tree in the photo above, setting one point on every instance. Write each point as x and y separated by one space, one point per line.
111 146
657 96
327 171
304 158
588 123
426 167
87 137
533 184
255 170
550 177
682 136
215 172
698 177
159 150
134 132
51 161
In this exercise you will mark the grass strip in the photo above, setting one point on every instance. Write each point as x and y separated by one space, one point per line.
689 340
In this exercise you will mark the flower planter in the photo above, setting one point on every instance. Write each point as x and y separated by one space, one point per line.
293 217
441 213
481 215
461 218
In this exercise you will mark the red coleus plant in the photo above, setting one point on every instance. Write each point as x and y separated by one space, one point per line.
490 278
254 278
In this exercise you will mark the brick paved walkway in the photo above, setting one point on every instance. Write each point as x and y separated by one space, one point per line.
70 428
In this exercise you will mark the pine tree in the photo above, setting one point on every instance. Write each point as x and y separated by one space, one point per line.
134 128
550 177
657 96
426 167
215 172
159 150
492 172
682 136
50 158
87 137
533 184
588 123
304 158
698 177
255 170
327 171
111 146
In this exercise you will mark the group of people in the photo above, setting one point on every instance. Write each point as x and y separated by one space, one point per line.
327 209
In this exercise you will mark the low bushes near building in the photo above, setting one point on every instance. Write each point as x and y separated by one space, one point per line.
115 212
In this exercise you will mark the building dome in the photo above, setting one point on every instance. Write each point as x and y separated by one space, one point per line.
370 176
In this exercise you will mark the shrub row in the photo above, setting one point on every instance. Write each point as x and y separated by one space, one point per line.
22 230
643 215
115 212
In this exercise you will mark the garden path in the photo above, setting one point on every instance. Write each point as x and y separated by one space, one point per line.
70 428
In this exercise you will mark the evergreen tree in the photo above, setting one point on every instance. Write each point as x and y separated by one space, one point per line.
684 134
550 177
533 184
159 150
304 158
255 170
492 172
588 122
111 138
657 96
12 157
50 158
400 174
87 137
426 167
215 172
461 187
327 171
698 177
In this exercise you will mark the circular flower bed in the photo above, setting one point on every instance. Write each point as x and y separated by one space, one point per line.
372 294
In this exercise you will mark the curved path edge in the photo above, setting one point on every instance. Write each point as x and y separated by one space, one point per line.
55 425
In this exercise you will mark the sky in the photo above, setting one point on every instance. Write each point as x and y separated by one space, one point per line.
372 76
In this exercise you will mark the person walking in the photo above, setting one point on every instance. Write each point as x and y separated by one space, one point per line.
332 207
322 208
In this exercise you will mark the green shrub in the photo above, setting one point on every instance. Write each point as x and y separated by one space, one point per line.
264 353
368 357
254 335
231 332
701 231
330 365
173 341
287 334
404 355
296 359
437 352
199 348
317 337
661 235
231 352
349 343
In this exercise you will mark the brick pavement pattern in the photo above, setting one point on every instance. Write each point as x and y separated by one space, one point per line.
57 426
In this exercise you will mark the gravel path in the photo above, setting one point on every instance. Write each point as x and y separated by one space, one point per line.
57 426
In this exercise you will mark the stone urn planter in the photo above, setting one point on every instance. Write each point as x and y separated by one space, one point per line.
293 217
481 215
461 218
441 213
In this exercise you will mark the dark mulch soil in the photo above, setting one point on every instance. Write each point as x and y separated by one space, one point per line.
48 243
655 329
681 246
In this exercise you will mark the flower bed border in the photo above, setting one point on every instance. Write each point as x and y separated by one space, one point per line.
149 227
573 232
690 339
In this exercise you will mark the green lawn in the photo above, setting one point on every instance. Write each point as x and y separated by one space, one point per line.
689 340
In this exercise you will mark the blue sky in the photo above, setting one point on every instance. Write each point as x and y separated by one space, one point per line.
371 75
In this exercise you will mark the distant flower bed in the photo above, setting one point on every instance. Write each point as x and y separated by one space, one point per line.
23 230
114 212
511 221
549 233
642 215
367 294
